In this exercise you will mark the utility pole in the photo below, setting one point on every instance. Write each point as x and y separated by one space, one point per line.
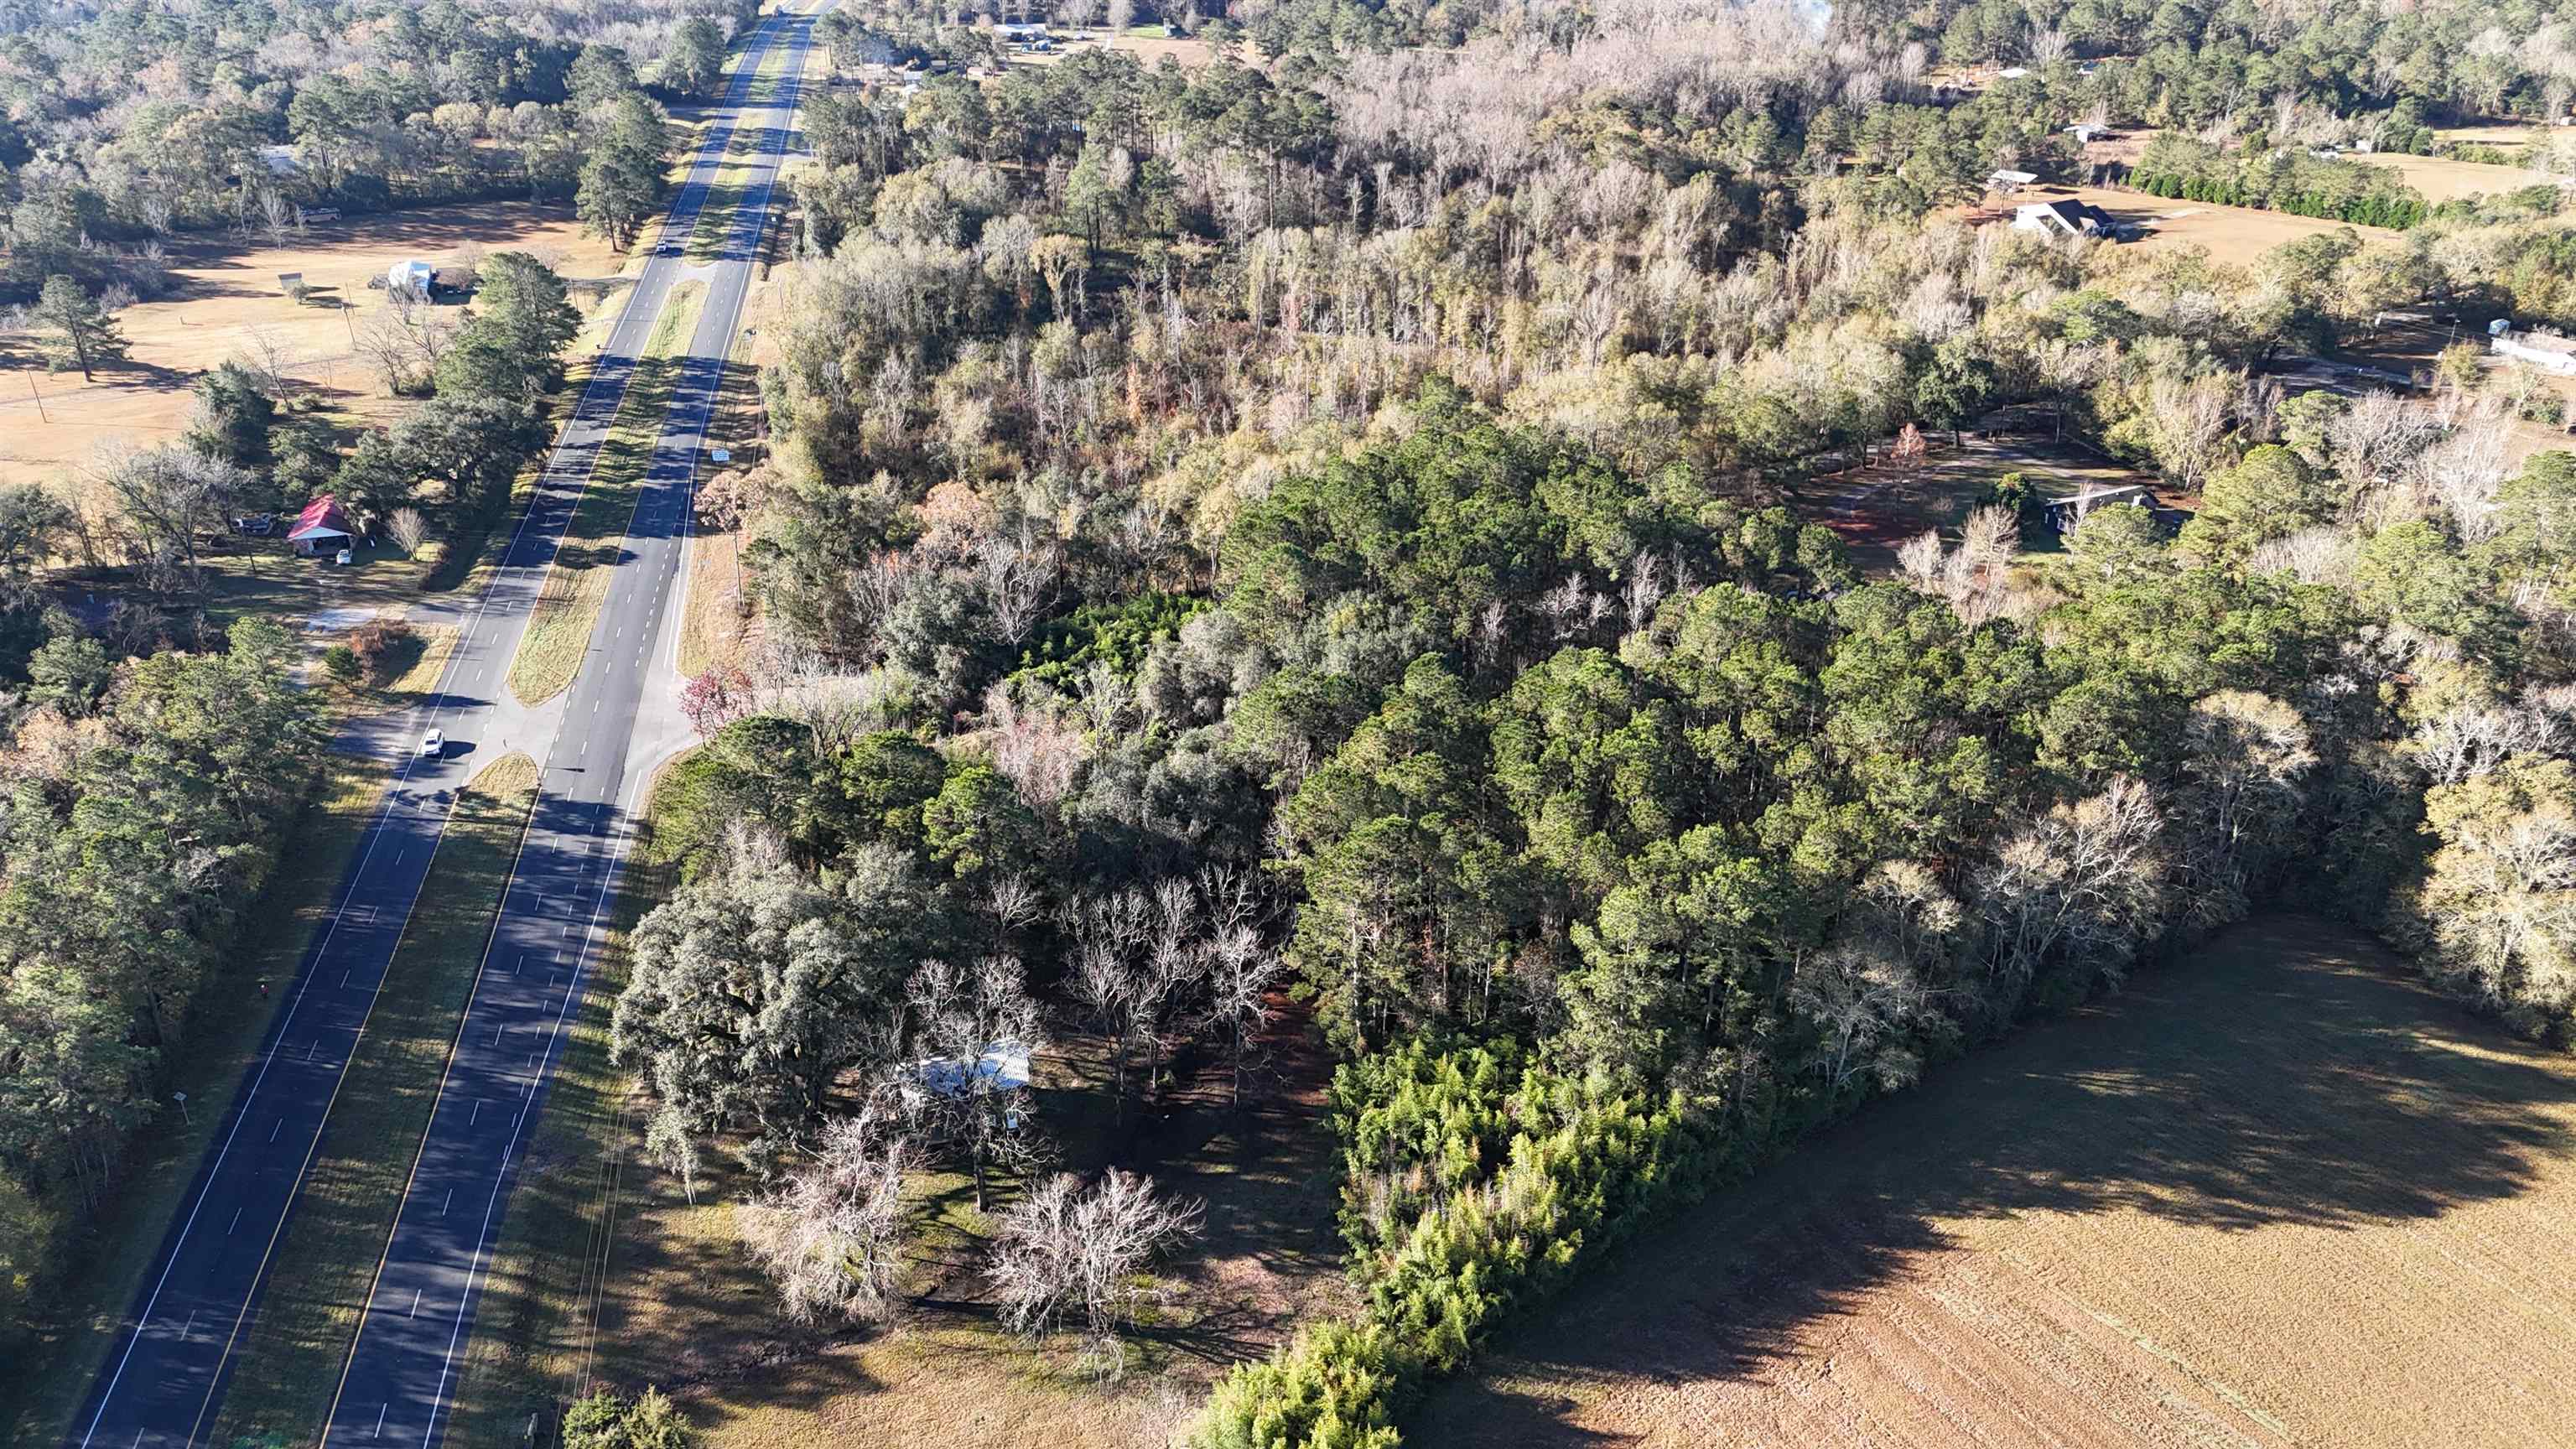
39 397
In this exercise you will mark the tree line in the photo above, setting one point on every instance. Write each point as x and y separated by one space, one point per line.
146 802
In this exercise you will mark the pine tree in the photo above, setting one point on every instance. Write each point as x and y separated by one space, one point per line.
694 65
89 334
234 416
622 182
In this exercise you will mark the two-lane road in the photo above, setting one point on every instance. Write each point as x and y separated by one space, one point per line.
164 1378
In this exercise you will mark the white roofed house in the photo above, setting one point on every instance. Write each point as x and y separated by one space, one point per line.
1002 1069
2068 217
2065 513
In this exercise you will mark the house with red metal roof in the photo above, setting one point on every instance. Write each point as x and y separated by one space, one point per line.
321 528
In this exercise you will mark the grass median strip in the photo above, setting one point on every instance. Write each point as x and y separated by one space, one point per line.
567 607
77 1320
290 1355
736 178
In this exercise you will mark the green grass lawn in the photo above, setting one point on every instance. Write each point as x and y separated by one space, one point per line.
567 607
290 1357
76 1321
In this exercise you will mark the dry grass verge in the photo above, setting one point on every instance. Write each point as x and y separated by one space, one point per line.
731 188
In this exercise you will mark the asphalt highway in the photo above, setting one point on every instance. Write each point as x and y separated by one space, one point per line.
164 1378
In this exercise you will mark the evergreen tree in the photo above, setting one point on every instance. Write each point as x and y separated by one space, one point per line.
88 333
513 346
694 65
623 181
234 416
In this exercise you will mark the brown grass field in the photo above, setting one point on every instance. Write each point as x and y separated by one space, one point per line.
228 292
2444 180
2500 133
2234 234
2276 1193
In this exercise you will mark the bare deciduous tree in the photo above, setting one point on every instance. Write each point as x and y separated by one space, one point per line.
1033 746
2191 419
1644 589
1974 577
169 496
1018 582
2246 761
276 215
268 357
2320 555
407 529
1070 1255
1109 935
2474 736
831 1237
1241 967
2082 884
963 1019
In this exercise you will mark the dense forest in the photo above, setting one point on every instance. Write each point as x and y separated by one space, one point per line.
1327 535
1316 537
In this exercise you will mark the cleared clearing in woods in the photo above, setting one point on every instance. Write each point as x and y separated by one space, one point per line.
2274 1194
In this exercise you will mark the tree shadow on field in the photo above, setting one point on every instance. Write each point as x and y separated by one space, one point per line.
2285 1074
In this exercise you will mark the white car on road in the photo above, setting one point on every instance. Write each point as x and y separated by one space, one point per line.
433 744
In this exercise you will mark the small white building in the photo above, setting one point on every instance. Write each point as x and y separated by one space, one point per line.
1004 1067
2005 182
2066 513
412 276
